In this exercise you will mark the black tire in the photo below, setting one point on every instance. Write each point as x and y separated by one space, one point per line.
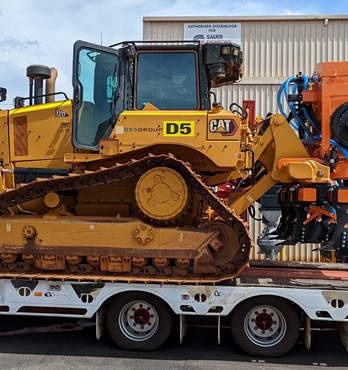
139 321
265 326
338 125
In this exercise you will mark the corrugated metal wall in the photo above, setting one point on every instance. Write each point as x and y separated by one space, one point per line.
274 48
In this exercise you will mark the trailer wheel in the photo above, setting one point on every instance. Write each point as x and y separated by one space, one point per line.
265 326
139 321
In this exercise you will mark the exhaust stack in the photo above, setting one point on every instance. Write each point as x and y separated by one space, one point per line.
37 73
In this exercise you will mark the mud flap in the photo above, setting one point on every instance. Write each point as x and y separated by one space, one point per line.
344 335
100 318
307 333
183 326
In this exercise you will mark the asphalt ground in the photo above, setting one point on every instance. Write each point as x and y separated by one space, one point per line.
78 349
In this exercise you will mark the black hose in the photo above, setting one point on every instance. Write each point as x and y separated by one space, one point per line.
252 212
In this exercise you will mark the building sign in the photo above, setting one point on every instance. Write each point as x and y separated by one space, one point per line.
213 32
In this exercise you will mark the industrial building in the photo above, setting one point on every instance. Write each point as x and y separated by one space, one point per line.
275 48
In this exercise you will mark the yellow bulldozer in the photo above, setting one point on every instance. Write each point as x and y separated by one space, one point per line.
119 183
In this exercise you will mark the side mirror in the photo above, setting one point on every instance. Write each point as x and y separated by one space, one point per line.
3 93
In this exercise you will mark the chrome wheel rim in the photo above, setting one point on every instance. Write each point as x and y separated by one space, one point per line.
138 321
265 326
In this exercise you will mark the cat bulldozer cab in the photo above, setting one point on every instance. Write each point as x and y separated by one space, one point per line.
128 76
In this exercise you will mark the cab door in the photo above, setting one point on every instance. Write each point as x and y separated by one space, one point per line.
98 80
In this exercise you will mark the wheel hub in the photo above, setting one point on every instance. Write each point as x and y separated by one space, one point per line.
141 316
138 320
265 326
161 193
264 323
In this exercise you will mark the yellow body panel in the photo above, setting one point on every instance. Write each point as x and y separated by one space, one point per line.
5 151
4 147
40 135
187 131
94 233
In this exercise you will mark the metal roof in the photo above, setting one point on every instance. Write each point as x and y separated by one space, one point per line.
230 18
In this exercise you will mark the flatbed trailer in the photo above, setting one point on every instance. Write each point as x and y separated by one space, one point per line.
266 306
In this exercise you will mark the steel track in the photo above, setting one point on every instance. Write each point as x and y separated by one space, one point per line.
134 169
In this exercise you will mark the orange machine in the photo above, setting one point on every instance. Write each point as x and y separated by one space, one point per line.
327 95
319 112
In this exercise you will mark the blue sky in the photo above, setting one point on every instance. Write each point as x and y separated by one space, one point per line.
43 31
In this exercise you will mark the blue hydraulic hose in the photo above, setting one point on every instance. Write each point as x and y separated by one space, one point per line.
283 86
298 121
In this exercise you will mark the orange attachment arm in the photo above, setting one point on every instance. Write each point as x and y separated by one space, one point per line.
317 213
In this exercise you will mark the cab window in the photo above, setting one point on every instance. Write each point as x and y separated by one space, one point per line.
167 80
98 76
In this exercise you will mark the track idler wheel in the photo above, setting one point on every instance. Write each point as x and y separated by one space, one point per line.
225 246
162 194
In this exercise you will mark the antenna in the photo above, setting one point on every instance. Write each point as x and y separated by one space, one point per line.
101 38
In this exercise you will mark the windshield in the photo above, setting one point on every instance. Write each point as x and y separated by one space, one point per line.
167 80
98 78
